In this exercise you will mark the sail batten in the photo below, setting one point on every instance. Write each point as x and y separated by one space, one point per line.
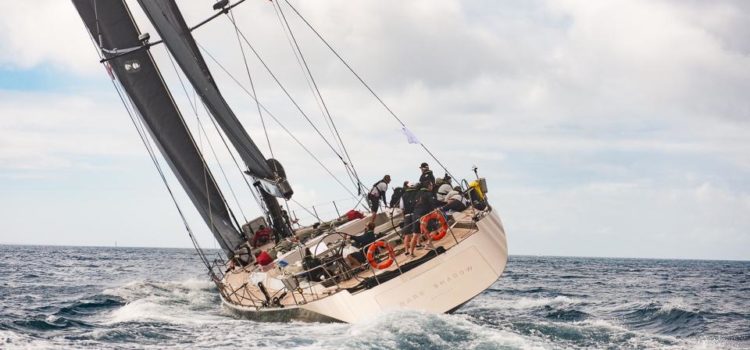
171 26
110 22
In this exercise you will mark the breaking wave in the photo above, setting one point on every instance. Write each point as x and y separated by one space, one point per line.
541 303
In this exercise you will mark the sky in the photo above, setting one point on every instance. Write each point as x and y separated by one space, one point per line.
611 128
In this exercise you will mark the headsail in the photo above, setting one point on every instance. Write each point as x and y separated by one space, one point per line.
171 26
111 24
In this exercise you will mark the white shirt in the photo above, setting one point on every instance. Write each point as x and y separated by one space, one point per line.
443 191
455 195
380 187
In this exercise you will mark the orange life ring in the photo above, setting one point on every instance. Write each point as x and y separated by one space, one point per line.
371 255
440 232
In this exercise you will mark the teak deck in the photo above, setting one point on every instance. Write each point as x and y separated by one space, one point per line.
240 291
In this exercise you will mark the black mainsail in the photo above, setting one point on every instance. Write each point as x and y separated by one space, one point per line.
171 26
111 25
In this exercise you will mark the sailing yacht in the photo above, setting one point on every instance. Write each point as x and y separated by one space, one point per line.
466 251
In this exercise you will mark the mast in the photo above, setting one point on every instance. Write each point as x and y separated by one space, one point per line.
268 175
111 25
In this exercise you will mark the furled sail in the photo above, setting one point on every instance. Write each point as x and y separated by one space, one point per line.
171 26
111 24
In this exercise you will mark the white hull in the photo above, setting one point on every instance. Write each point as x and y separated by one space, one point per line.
439 285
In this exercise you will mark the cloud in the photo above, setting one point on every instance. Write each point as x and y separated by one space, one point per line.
53 131
44 32
627 220
609 121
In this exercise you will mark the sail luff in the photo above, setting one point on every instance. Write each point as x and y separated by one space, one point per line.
171 26
112 25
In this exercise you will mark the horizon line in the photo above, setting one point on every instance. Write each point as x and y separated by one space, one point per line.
509 255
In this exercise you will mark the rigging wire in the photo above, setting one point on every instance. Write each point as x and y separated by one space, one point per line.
142 134
288 132
286 31
210 144
320 96
250 187
252 85
144 139
294 102
206 169
234 159
363 83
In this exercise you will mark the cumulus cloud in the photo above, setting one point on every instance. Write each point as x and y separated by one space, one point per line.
43 32
608 105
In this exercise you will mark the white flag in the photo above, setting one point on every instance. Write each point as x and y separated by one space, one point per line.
410 136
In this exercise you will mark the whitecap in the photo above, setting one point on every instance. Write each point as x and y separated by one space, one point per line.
522 303
178 302
411 329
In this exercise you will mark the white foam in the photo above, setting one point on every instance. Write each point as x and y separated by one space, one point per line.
391 329
674 304
178 302
609 325
12 340
525 303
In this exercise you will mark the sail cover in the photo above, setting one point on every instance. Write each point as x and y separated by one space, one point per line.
111 24
168 21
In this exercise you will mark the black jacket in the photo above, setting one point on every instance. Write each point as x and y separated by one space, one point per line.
409 197
425 202
364 239
427 176
396 196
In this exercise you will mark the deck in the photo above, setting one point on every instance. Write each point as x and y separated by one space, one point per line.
287 287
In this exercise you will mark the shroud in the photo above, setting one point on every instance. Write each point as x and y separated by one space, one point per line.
111 25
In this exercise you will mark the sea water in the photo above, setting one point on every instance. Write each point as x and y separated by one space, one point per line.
115 298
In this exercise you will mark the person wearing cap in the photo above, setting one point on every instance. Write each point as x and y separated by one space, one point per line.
377 193
427 175
443 189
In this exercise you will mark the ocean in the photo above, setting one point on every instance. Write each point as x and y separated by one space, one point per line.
143 298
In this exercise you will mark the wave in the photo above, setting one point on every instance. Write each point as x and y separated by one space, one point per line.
417 330
90 306
175 302
50 323
671 317
567 315
525 303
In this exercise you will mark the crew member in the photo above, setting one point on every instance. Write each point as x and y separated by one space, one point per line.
313 266
407 205
443 189
262 258
261 236
427 175
377 193
455 201
357 258
424 203
397 193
